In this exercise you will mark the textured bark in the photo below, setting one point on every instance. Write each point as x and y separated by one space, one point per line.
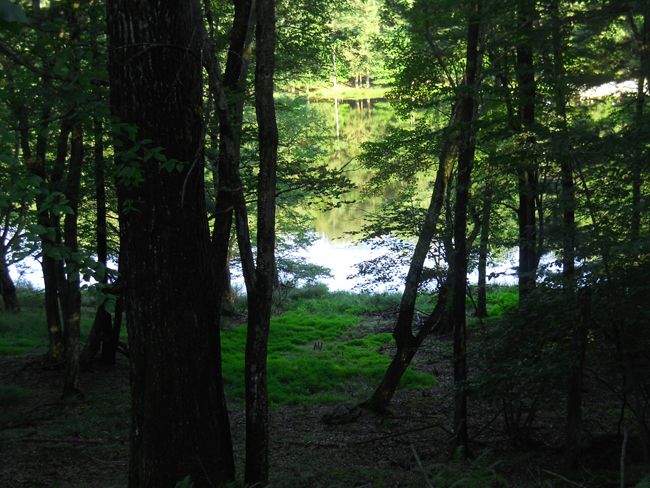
179 419
467 147
261 298
527 177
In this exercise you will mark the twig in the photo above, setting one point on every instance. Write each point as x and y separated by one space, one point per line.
623 447
424 473
101 461
567 480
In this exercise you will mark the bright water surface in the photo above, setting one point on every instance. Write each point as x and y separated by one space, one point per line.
355 122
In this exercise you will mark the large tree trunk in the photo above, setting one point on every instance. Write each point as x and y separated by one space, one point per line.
528 174
261 299
467 147
179 418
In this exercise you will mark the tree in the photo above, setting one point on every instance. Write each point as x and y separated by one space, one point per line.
467 146
179 417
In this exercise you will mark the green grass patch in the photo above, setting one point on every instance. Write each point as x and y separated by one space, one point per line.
11 394
500 299
315 354
25 332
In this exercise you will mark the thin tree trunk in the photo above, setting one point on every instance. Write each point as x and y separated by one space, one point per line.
229 98
179 418
568 188
481 303
403 330
260 301
102 325
528 175
467 146
71 287
638 161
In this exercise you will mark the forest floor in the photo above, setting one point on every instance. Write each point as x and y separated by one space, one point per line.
47 442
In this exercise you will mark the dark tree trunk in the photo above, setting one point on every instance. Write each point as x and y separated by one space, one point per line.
528 174
103 324
7 287
467 146
70 291
229 98
643 42
567 199
36 167
179 418
575 382
403 330
481 301
403 356
261 299
71 295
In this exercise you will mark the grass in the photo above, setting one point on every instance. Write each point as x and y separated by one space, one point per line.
320 351
322 346
25 332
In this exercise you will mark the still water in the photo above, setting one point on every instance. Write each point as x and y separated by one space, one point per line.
346 125
351 123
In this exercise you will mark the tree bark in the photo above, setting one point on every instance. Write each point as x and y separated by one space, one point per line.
261 298
467 147
179 418
527 177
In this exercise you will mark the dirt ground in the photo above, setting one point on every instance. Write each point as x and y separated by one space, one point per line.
45 442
